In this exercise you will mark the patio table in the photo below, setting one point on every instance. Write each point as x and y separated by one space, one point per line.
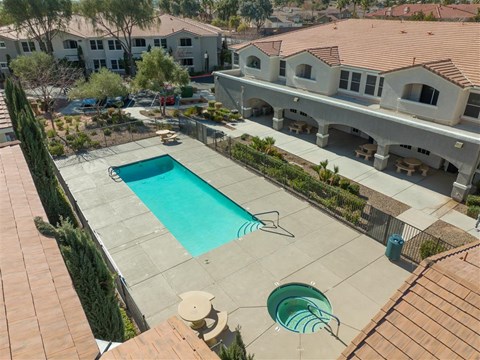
162 133
369 148
412 162
195 309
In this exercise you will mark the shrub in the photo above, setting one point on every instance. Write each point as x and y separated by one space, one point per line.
111 111
107 132
236 350
212 89
244 137
218 105
176 113
473 211
218 118
77 118
70 137
129 329
60 126
51 133
93 133
80 141
56 149
190 111
354 189
211 103
473 200
430 248
68 119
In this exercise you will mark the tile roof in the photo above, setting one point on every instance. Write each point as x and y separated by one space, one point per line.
271 48
444 68
40 313
171 340
385 45
329 55
168 25
5 121
434 315
460 11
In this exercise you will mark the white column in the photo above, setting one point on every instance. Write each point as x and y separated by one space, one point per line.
463 184
277 118
380 161
322 135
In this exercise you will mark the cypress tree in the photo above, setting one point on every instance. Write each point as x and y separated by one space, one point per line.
93 282
32 137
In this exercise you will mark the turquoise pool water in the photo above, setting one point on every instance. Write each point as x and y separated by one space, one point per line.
198 215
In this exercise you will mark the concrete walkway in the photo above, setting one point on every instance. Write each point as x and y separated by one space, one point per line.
309 247
428 196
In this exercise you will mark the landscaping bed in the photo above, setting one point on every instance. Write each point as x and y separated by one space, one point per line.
449 233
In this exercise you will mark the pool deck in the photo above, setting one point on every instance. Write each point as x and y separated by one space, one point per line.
349 267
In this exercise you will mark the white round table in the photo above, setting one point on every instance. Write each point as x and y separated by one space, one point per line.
195 309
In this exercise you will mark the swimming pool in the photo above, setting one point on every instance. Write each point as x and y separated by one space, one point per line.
199 216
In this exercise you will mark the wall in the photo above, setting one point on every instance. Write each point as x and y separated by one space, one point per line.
71 54
451 100
268 65
10 49
324 78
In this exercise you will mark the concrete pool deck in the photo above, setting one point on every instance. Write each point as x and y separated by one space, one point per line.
349 267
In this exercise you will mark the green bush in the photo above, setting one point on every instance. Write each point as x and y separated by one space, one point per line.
190 111
107 132
211 103
473 200
68 119
56 149
60 126
130 331
51 133
354 189
245 137
430 248
176 113
79 141
93 133
473 211
236 350
218 118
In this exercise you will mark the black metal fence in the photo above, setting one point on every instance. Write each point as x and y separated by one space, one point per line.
345 206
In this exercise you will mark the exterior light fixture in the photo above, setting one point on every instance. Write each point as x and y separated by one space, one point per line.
458 145
296 99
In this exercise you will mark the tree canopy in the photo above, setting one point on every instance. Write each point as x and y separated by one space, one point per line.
118 18
45 76
101 85
41 18
256 11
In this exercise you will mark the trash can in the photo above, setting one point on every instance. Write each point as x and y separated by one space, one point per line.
394 247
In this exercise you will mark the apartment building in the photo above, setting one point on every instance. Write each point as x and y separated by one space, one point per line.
411 87
193 44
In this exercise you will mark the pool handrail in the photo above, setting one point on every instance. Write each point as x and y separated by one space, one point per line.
254 216
113 172
325 312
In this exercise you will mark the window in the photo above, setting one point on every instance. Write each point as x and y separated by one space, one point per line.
303 114
293 111
28 46
163 43
282 70
186 62
139 43
473 106
96 44
70 44
355 131
186 42
370 85
423 151
304 71
408 147
10 136
429 95
97 64
344 75
253 62
355 83
156 42
114 45
380 87
236 58
117 64
2 45
3 65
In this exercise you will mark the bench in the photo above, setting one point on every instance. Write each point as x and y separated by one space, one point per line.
295 128
169 138
361 152
210 333
424 169
310 129
401 166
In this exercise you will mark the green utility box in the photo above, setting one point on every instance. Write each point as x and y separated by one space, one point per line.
394 247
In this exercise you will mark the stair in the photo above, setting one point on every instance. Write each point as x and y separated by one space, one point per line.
306 322
248 227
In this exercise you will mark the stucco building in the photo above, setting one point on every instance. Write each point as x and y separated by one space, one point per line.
411 87
194 45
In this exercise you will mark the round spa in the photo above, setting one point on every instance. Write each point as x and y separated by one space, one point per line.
299 308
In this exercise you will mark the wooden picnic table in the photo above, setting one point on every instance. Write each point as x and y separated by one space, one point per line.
369 148
162 133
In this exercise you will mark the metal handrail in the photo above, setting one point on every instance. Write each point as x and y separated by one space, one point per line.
325 312
268 212
113 172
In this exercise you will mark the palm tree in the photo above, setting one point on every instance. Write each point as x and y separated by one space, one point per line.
268 143
342 4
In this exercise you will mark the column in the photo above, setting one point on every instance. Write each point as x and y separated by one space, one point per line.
380 161
463 184
322 135
277 119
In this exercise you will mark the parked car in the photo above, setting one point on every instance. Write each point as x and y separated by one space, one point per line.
170 100
117 102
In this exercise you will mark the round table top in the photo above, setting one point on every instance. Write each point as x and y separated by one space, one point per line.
162 132
194 308
370 146
412 161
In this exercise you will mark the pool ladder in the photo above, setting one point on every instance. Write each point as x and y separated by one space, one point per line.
113 172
